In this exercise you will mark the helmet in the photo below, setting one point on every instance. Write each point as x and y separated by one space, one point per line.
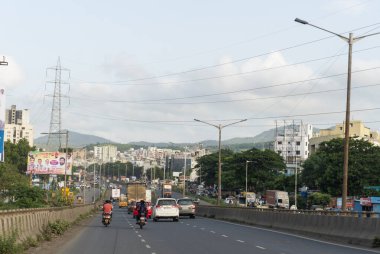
142 201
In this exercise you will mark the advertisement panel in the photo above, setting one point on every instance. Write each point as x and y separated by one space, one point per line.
2 123
49 163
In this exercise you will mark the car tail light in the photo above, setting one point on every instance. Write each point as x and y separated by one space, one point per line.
175 206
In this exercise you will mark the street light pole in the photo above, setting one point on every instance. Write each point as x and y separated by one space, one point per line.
220 127
350 40
184 176
246 180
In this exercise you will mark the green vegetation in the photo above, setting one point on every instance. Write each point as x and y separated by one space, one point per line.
324 170
9 245
263 172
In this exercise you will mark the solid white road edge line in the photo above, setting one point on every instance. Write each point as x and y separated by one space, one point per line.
297 236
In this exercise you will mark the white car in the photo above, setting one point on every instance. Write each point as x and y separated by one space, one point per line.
165 208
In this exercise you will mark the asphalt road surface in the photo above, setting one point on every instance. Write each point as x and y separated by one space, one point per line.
191 236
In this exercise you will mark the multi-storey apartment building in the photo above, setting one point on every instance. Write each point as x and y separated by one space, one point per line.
17 125
291 143
357 130
106 153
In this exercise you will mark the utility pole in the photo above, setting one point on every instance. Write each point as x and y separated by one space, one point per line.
94 193
295 186
184 176
350 40
85 173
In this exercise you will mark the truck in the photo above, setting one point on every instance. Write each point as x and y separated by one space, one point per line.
115 194
277 199
247 199
166 190
123 201
136 191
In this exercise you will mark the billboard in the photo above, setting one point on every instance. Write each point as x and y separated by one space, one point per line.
49 163
2 123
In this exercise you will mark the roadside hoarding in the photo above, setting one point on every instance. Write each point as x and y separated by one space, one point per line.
49 163
2 123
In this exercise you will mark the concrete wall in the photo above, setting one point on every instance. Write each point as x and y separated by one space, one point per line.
30 222
347 229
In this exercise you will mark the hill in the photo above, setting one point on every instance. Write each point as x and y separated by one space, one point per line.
75 140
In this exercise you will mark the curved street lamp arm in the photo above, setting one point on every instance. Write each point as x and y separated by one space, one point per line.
233 123
214 125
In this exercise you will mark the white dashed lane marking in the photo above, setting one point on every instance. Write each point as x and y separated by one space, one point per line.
147 246
240 241
260 247
212 232
224 236
142 240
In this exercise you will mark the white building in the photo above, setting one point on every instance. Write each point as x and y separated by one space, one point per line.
106 153
292 143
17 126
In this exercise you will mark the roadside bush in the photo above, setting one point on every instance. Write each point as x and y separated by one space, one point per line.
376 242
9 245
59 227
30 242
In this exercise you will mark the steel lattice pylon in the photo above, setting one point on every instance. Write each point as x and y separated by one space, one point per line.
54 142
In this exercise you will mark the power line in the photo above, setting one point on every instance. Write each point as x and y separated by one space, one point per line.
120 83
230 62
219 120
229 92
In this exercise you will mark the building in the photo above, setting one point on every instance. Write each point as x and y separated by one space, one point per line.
292 143
106 153
357 130
17 126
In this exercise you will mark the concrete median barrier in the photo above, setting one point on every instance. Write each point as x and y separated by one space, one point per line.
349 229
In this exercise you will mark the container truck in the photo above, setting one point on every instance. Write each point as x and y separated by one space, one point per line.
277 199
166 190
136 191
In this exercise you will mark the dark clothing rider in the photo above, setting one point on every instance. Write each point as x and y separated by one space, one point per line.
141 208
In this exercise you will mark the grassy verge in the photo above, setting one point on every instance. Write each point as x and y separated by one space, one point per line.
49 232
9 245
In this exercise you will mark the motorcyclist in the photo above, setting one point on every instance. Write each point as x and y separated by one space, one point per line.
108 207
141 208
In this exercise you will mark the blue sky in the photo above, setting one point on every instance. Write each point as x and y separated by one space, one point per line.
124 54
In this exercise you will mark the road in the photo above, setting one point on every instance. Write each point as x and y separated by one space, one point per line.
191 236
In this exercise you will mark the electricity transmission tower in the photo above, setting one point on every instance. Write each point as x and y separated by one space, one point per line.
54 139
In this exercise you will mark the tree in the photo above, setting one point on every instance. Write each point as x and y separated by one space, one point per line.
209 165
324 170
264 168
17 154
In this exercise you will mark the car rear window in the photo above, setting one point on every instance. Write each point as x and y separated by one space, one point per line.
185 202
166 202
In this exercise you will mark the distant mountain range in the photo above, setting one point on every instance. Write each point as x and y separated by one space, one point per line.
80 140
75 140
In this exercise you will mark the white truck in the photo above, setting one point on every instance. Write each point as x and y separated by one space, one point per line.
115 194
277 199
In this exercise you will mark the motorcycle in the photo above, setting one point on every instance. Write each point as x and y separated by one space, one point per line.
142 220
106 219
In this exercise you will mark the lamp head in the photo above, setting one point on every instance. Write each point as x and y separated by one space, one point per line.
303 22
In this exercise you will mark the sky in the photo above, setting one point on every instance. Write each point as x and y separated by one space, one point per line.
144 70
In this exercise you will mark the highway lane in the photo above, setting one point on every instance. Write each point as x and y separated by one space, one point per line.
198 235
